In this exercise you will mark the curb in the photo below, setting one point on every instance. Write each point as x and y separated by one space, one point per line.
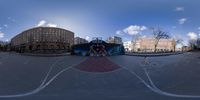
45 55
154 55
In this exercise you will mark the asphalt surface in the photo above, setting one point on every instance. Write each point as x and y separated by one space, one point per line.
174 77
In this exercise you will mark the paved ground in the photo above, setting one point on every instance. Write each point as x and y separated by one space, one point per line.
174 77
97 64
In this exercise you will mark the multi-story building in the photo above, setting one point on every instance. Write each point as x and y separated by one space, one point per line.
198 43
128 46
148 45
186 48
115 40
4 46
78 40
43 39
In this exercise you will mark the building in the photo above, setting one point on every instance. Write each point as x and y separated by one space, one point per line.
186 48
198 43
128 46
4 46
97 47
78 40
4 43
43 40
148 45
115 40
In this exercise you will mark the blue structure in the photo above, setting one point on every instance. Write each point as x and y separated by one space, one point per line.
98 48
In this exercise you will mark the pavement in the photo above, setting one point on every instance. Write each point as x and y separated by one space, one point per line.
174 77
46 55
153 54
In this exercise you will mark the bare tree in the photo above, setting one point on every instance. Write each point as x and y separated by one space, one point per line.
134 41
159 34
198 43
178 41
194 44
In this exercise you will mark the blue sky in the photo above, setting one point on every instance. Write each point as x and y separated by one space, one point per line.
102 18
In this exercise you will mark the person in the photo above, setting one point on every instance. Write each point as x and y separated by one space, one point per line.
145 62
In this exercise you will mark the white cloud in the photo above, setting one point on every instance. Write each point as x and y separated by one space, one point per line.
176 36
51 25
173 27
11 19
144 36
198 28
0 28
7 40
119 32
87 37
41 23
45 23
179 9
134 29
128 45
1 34
5 25
192 35
182 20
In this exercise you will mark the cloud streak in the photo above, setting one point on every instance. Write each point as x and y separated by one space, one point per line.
41 23
119 32
51 25
5 25
179 9
1 34
87 38
192 35
45 24
134 29
182 20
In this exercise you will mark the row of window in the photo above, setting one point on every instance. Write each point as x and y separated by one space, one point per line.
153 49
30 36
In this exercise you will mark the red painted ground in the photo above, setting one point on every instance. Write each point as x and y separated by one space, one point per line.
97 64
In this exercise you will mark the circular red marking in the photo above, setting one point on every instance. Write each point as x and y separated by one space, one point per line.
97 64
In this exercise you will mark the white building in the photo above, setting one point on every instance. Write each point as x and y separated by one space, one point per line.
115 40
128 46
148 45
78 40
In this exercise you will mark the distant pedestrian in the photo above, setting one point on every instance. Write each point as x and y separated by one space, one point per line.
145 62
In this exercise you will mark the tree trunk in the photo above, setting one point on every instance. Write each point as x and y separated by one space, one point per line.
155 48
174 48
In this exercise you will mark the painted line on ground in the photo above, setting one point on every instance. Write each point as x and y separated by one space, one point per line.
44 83
154 88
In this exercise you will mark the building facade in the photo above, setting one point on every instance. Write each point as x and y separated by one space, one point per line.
4 46
78 40
115 40
98 47
43 40
148 45
128 46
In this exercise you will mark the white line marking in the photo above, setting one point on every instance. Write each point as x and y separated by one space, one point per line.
154 88
159 91
43 84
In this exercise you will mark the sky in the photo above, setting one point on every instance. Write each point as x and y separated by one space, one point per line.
102 18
